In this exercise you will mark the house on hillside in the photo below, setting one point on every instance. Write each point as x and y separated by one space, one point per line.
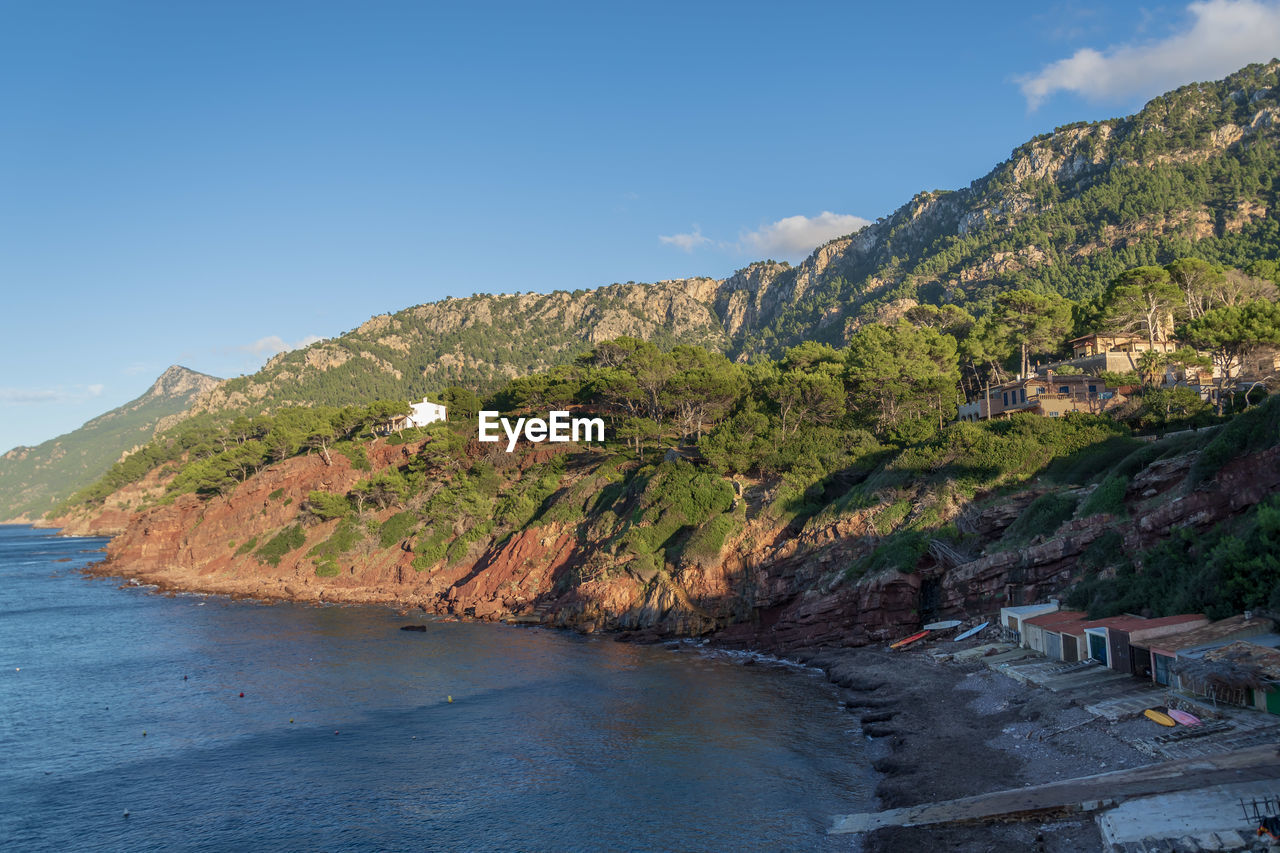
1050 396
420 414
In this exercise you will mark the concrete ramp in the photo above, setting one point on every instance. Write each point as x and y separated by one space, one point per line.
1087 793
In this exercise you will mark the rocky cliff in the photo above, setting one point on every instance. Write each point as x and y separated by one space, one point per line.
772 585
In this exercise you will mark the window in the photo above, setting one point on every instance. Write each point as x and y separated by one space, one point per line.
1064 389
1054 414
1023 393
1093 389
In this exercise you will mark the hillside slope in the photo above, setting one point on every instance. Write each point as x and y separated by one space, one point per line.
1190 175
550 535
35 479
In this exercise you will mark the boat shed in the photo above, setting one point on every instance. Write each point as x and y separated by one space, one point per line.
1055 634
1244 673
1011 618
1111 641
1165 650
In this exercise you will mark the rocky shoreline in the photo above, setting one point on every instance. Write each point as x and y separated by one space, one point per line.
940 731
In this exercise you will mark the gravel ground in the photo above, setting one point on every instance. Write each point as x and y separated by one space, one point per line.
941 731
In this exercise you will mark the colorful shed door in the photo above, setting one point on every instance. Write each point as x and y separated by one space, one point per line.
1098 648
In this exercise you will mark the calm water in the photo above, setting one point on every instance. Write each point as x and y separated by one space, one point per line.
345 740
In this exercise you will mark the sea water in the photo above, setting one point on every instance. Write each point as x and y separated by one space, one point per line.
122 727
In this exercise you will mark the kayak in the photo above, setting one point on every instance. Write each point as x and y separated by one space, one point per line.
1158 717
943 626
1184 718
908 641
967 634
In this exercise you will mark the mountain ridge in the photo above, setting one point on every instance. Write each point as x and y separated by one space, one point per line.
1188 175
33 479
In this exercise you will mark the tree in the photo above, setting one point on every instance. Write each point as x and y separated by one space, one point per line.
1028 322
950 319
804 397
1161 407
1229 333
461 402
1197 280
1143 300
901 380
703 390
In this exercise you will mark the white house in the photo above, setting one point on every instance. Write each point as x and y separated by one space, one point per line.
420 415
425 413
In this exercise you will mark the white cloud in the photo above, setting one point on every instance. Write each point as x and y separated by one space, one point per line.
799 235
60 394
274 344
1222 36
32 395
688 242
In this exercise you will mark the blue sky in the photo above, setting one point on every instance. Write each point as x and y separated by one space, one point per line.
206 183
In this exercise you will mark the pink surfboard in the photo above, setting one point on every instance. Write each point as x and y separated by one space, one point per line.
1184 718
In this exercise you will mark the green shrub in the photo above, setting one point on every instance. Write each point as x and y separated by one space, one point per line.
396 528
247 546
345 536
707 541
356 454
276 495
1042 516
1107 498
1221 572
900 552
891 516
429 550
326 505
1249 432
289 539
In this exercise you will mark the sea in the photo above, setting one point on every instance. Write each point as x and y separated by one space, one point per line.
135 721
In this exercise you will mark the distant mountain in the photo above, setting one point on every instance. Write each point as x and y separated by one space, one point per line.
34 479
1192 174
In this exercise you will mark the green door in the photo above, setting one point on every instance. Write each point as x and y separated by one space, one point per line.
1273 700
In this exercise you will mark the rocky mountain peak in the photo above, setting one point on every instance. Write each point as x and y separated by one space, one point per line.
179 381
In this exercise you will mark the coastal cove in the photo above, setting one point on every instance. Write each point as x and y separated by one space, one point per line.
120 700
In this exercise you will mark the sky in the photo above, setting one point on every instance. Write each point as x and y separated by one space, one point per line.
209 183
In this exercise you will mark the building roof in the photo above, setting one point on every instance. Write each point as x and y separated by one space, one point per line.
1033 609
1126 336
1058 621
1245 653
1129 623
1221 632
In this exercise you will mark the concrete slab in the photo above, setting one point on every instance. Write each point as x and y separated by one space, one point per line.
982 651
1124 707
1208 811
1083 794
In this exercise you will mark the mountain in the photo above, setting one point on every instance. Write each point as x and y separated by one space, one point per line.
1190 175
34 479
